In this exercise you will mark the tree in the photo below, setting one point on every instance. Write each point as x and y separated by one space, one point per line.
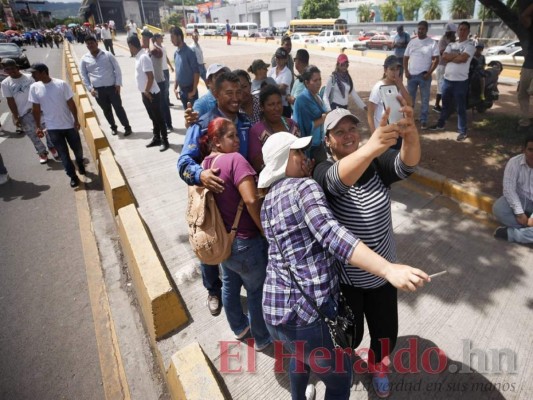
174 19
462 9
510 17
432 10
410 8
365 12
320 9
389 10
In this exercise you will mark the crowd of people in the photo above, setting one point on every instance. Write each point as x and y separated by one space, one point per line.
285 158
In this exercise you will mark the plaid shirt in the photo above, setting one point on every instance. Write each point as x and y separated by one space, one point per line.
310 239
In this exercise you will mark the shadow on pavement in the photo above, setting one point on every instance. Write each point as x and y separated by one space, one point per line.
21 190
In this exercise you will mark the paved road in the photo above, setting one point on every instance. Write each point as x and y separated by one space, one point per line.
47 336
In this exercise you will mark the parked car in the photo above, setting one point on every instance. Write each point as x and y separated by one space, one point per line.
348 42
328 36
507 48
382 42
303 38
12 50
516 58
367 35
263 35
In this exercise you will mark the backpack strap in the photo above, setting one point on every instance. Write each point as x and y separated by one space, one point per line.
233 231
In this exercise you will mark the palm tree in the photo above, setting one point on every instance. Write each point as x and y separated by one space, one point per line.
410 8
364 11
389 10
432 10
462 9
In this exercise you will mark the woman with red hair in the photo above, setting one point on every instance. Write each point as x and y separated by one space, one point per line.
247 263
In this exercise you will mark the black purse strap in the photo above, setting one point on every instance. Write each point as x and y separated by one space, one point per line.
293 278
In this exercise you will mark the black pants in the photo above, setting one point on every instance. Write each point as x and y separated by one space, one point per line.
287 111
108 43
153 108
108 98
380 308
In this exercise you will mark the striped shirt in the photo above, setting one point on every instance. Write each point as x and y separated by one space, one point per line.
365 209
518 183
310 240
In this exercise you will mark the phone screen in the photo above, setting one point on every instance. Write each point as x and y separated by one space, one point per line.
389 95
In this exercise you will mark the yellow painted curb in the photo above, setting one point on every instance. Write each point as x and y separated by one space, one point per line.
94 137
79 93
190 375
85 111
76 78
161 307
115 188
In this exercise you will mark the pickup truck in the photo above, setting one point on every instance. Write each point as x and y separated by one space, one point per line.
328 36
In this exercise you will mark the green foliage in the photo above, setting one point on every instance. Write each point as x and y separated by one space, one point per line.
320 9
432 10
174 19
364 11
462 9
388 10
410 9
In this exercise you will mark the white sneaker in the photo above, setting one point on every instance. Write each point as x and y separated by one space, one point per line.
43 158
4 178
310 392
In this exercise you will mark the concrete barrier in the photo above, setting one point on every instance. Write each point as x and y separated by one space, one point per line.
79 93
161 307
190 375
85 111
76 79
94 137
116 191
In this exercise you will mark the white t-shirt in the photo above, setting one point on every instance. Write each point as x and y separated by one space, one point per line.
459 72
375 98
106 33
283 78
19 89
420 53
53 97
143 64
165 64
198 52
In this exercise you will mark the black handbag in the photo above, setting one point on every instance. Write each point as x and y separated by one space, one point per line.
342 328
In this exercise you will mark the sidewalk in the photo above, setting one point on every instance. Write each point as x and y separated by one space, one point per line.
481 306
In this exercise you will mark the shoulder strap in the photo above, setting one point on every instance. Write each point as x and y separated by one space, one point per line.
233 231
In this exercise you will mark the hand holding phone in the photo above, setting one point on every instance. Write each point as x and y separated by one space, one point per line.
389 95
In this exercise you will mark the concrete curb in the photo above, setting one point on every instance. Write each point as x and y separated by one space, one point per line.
190 374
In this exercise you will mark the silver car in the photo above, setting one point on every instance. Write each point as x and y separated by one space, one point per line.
507 48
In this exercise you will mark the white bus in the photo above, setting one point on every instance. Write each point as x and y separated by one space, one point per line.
244 29
213 29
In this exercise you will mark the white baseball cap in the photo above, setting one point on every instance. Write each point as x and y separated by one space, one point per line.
276 156
214 68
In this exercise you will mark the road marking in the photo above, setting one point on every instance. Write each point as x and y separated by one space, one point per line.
3 118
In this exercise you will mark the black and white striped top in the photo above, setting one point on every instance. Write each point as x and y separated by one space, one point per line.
365 209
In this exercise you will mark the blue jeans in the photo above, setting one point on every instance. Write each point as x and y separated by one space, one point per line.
210 279
246 267
504 213
184 99
413 84
454 90
62 138
337 377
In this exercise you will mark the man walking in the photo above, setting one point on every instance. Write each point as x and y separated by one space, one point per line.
16 89
420 60
107 38
151 95
187 71
53 100
102 77
458 56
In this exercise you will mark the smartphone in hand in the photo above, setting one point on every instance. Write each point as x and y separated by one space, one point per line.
389 96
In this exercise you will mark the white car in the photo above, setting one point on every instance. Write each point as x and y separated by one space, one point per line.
507 48
348 42
303 38
516 58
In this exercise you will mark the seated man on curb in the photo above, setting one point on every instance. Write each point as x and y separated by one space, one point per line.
514 209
